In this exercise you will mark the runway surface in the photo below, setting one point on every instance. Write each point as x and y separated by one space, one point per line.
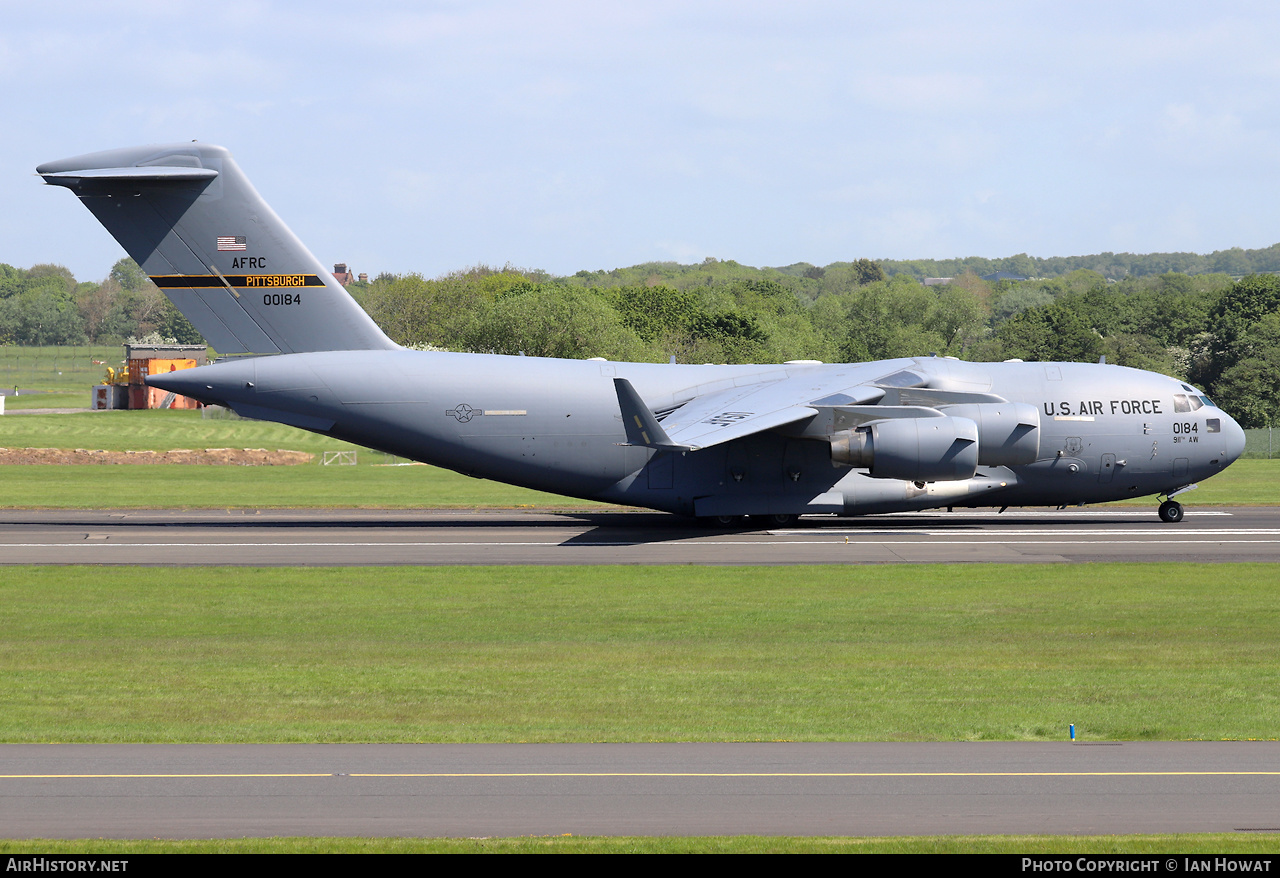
178 791
359 537
211 791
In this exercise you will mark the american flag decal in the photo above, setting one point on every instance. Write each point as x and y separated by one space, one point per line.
232 242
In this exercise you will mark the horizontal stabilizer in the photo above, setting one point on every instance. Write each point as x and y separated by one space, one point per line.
156 175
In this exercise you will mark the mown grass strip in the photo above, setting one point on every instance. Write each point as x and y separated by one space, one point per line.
1246 483
63 368
903 653
1190 843
159 430
240 487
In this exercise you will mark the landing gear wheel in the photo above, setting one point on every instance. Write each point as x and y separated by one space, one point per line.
1171 511
722 521
780 519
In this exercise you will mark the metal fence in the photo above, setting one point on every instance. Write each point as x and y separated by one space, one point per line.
1262 442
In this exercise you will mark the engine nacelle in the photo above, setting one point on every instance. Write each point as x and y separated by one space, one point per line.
1008 432
912 449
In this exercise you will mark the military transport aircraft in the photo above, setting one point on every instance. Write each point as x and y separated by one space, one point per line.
718 442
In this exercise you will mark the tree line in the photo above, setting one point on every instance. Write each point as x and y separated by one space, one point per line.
1113 266
1210 329
46 305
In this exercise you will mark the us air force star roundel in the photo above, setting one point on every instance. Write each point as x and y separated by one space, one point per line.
462 412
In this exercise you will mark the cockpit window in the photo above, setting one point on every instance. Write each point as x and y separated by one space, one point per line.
1196 404
1206 400
1180 403
1213 425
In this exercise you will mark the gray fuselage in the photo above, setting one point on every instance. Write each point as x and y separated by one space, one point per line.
1105 432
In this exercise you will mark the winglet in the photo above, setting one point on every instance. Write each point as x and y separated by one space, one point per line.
641 426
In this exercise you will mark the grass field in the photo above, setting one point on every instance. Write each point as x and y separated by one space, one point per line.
216 487
68 369
1206 843
63 375
158 430
902 653
1246 483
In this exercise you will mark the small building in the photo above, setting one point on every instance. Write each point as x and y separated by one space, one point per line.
129 390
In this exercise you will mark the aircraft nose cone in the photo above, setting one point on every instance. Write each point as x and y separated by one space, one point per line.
1233 438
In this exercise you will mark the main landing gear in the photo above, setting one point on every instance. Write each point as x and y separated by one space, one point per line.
1171 511
739 521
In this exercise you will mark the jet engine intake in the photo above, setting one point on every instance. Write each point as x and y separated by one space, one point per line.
912 449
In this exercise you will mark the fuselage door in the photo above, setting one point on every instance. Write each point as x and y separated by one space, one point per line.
662 471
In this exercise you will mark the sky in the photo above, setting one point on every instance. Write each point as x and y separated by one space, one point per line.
432 136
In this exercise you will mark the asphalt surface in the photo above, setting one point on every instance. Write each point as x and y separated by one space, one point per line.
355 537
195 791
213 791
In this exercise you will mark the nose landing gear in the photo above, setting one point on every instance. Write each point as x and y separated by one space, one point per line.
1171 511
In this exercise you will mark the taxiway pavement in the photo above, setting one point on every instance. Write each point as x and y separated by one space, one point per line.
216 791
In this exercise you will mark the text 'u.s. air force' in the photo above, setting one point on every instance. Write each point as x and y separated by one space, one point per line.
1065 408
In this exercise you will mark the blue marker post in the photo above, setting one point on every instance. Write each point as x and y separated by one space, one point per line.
1073 733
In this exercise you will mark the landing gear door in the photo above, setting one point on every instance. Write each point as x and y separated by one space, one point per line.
1108 468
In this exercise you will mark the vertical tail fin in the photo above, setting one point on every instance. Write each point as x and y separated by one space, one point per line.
188 215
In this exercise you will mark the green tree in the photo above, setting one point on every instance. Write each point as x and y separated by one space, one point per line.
41 316
1250 391
657 312
882 320
1141 352
1248 385
1248 300
172 324
129 275
552 321
1017 298
1049 333
867 272
958 316
1238 328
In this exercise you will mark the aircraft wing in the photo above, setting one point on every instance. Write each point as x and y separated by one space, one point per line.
725 415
